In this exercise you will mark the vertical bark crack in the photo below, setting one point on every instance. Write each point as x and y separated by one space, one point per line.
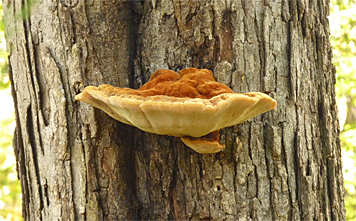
34 158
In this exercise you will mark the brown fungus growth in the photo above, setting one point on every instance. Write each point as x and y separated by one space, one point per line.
189 104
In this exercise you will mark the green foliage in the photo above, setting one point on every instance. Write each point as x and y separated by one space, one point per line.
10 192
4 78
10 189
343 39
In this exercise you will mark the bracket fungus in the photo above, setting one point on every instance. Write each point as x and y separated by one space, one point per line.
189 104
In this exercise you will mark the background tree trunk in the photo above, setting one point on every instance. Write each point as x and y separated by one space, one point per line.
77 163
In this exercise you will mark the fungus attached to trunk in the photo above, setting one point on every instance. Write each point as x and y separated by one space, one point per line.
189 104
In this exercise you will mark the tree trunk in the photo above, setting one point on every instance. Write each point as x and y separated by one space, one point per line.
77 163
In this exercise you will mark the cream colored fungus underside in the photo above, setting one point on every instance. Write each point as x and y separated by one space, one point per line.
176 116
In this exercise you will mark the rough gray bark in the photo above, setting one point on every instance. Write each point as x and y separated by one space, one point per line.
76 163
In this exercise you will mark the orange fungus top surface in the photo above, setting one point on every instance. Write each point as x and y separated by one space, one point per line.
189 82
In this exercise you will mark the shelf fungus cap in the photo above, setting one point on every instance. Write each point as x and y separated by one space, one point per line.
205 144
189 104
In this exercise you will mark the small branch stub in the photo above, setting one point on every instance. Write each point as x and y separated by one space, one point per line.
189 104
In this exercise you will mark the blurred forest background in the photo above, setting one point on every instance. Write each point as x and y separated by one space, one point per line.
343 39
